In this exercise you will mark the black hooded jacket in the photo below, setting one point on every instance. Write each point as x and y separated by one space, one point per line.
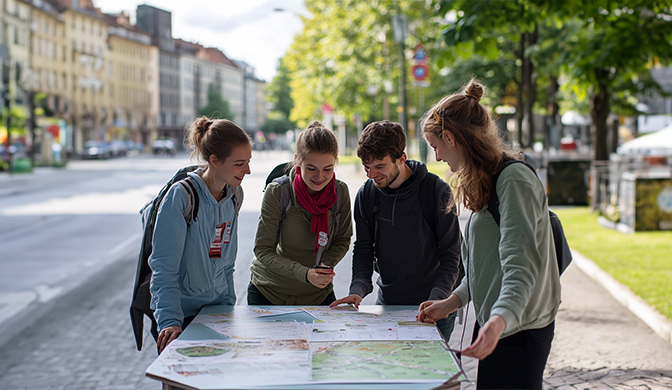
414 264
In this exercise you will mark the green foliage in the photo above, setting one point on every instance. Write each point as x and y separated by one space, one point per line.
640 261
279 91
346 48
277 122
217 107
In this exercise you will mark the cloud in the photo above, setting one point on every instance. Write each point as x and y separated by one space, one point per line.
216 22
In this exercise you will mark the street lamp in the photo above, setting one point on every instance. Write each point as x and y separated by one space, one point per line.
399 28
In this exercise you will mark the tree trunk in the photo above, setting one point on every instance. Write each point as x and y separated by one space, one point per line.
553 135
530 89
519 94
599 111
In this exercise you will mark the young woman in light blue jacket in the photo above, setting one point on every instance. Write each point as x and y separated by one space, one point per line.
192 265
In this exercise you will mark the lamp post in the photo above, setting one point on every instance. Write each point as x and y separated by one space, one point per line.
399 27
5 63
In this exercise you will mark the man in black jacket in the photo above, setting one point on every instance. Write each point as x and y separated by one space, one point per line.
416 261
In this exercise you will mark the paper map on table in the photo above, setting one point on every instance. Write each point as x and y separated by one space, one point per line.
342 345
208 364
259 330
381 361
379 331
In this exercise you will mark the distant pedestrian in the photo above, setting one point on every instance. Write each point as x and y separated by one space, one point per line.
511 270
294 260
192 266
405 231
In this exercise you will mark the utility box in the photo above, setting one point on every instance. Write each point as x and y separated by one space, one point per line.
645 201
567 181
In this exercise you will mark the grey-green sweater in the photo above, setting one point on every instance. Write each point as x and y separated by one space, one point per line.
512 269
280 273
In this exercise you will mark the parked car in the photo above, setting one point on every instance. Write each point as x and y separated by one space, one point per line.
163 146
118 148
97 150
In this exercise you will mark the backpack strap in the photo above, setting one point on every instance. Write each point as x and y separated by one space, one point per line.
368 209
428 199
237 198
493 202
285 203
191 211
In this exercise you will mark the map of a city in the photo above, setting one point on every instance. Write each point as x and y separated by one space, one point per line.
376 361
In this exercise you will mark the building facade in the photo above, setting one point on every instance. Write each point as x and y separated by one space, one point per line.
132 82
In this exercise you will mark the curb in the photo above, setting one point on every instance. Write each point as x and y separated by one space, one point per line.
656 321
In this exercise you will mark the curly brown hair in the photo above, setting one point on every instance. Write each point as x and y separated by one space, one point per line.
380 139
476 134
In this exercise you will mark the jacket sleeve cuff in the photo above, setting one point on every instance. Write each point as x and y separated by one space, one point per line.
463 294
301 273
508 317
360 288
438 293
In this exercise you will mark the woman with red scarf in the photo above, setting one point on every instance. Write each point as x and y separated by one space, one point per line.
298 270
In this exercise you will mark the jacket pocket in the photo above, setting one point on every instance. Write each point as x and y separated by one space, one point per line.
198 277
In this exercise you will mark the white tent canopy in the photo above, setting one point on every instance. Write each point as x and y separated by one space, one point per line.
658 143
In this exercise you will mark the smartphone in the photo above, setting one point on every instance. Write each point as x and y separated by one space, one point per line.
323 267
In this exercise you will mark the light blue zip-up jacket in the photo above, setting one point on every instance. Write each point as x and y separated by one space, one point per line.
184 277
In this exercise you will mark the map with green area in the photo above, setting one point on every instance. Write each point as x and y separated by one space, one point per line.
381 361
201 351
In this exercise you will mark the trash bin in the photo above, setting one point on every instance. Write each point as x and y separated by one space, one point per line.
22 165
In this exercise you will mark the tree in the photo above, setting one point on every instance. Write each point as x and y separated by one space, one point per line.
279 91
277 122
611 54
345 51
217 107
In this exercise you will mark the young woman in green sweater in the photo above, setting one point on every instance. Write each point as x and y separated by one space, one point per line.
511 270
285 272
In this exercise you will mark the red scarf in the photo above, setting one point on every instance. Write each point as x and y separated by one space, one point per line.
318 205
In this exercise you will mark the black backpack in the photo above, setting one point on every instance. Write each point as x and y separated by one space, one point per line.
560 241
140 303
280 175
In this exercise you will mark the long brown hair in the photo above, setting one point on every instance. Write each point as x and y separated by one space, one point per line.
477 135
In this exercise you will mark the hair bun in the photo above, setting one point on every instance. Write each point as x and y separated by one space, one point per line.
315 124
474 91
202 124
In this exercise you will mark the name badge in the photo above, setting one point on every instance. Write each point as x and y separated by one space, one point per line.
216 245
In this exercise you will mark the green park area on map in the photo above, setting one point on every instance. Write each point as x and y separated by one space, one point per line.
381 361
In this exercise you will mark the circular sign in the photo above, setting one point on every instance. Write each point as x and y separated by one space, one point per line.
665 200
420 72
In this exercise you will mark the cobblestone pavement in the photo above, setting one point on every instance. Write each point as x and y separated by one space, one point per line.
87 344
599 344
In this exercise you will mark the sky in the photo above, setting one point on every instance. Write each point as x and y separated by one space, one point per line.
251 30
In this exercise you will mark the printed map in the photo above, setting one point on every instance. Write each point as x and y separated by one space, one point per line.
376 361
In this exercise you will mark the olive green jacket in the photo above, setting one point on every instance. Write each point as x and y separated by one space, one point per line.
280 273
512 269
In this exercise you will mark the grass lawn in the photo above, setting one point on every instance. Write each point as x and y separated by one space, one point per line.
641 261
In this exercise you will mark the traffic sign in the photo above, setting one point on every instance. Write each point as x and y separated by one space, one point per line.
420 71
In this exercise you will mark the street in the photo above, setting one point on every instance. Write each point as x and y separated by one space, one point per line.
70 240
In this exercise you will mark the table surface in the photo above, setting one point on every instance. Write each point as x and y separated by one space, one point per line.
197 331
